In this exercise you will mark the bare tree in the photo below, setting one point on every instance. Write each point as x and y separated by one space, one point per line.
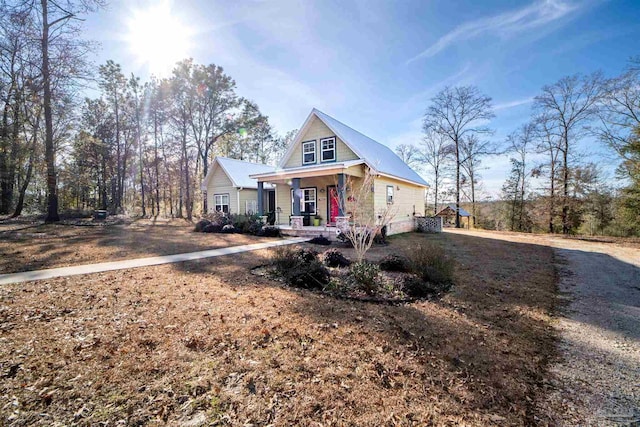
519 143
569 105
410 154
473 149
436 150
458 112
364 224
619 113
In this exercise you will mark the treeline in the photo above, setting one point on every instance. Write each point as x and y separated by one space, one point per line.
137 147
552 187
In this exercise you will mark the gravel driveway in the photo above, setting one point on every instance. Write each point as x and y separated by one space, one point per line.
596 381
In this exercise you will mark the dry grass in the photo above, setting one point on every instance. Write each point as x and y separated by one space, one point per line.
208 342
33 245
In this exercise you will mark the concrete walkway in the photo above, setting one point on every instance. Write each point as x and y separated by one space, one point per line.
51 273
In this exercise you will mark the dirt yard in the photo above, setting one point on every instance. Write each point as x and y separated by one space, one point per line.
206 342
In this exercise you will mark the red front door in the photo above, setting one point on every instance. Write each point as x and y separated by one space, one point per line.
334 210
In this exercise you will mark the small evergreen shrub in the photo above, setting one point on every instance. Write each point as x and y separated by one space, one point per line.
270 231
229 228
320 240
334 258
212 228
200 225
300 267
415 287
367 276
394 263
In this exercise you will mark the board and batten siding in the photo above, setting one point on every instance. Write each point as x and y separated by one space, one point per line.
407 200
316 131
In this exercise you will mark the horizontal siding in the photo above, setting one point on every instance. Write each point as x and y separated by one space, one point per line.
407 199
221 184
316 131
245 195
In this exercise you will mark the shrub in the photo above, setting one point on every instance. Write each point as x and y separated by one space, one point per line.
270 231
212 228
300 267
252 227
229 228
432 265
367 276
334 258
414 286
200 225
218 218
381 237
320 240
394 263
246 223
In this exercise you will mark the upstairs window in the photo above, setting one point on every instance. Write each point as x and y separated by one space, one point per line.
328 149
221 202
308 152
389 194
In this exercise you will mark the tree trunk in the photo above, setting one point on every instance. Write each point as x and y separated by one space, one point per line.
565 184
49 154
457 184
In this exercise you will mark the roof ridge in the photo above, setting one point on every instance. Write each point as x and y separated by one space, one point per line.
347 126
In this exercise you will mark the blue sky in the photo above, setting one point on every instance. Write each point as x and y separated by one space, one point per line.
375 64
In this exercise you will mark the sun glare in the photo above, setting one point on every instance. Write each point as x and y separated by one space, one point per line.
157 38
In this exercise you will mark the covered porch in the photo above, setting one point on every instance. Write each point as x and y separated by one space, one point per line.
312 196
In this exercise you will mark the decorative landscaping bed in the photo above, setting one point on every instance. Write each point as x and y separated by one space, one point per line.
424 273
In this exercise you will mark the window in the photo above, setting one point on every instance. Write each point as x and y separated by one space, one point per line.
328 149
251 207
389 194
308 152
307 201
221 202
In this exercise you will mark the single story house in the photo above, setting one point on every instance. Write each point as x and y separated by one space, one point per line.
230 189
326 157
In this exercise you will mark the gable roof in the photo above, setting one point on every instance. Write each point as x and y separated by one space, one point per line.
451 210
377 156
238 172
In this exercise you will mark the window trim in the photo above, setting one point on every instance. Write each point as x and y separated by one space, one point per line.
228 204
334 149
315 201
315 152
390 202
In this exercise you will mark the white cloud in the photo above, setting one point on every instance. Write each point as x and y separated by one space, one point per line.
505 25
512 104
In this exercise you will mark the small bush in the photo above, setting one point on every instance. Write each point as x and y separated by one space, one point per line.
394 263
212 228
218 218
252 227
367 276
381 236
270 231
300 268
320 240
229 228
415 287
200 225
334 258
432 265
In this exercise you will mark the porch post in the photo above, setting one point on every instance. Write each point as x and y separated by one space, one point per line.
341 191
260 198
296 196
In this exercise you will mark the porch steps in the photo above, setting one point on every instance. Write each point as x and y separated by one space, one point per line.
310 232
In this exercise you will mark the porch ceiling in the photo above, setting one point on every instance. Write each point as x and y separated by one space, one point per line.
283 175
